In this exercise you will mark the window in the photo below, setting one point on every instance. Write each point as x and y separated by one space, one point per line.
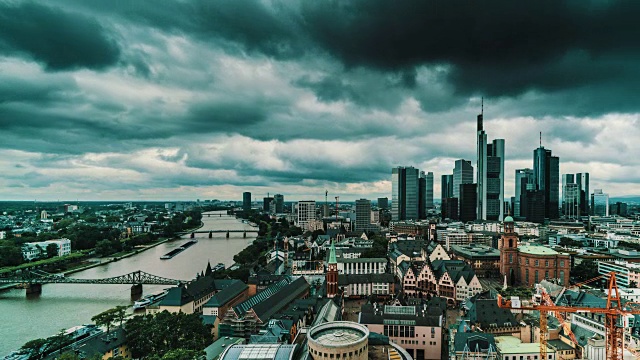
510 258
561 263
527 261
546 263
536 276
537 263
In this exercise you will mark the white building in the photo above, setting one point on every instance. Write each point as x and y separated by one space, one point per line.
35 250
306 212
362 266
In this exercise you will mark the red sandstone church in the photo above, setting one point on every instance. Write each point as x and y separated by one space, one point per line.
530 264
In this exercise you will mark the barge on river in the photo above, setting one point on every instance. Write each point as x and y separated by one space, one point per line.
178 250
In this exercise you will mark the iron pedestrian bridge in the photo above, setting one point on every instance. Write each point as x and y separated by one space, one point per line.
33 280
217 215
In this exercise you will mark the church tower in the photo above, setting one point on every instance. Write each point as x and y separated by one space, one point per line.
508 246
332 273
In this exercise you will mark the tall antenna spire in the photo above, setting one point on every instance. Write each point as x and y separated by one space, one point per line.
540 138
482 105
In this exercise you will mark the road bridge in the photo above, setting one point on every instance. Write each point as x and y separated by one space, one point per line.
32 280
218 215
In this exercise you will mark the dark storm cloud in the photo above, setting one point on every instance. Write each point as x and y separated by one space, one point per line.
496 47
58 39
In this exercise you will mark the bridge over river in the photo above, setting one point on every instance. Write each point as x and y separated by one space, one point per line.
227 232
32 280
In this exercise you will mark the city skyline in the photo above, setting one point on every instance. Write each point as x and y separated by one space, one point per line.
177 102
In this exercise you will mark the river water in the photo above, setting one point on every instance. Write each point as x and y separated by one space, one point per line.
61 306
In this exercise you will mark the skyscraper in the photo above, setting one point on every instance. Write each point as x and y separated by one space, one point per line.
383 203
363 215
246 201
546 172
266 203
600 203
524 182
490 176
468 201
582 179
446 188
422 195
278 199
429 190
570 197
462 174
404 197
494 185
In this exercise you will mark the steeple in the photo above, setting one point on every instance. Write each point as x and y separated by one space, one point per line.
332 254
208 271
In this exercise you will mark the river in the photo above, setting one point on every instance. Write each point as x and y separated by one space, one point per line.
61 306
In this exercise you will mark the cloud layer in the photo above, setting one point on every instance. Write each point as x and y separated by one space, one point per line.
200 99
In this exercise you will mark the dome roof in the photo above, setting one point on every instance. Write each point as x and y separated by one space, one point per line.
508 219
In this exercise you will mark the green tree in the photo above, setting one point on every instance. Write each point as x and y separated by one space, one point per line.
52 251
587 269
34 349
633 284
106 318
180 354
160 333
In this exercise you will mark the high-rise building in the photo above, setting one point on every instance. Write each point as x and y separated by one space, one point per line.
462 174
429 190
278 199
363 215
570 197
246 201
404 197
619 208
383 203
532 206
266 203
306 213
449 208
467 202
446 188
494 186
422 195
490 175
524 182
546 172
600 203
582 179
481 177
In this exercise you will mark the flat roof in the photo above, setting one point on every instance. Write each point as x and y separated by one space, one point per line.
513 345
537 250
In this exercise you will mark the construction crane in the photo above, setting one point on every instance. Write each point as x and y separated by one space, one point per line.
613 322
337 207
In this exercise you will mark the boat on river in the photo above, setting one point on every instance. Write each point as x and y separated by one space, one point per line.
178 250
148 300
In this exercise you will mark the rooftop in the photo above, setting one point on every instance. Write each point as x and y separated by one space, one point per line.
259 351
338 333
513 345
537 250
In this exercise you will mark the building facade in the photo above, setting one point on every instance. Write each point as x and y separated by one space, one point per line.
246 201
404 197
546 171
306 213
529 265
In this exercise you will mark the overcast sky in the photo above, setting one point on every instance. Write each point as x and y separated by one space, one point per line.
162 100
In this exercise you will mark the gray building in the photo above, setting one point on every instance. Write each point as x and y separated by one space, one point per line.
383 203
490 175
582 179
462 174
429 190
446 188
600 203
363 215
524 182
278 199
404 197
546 172
570 197
246 201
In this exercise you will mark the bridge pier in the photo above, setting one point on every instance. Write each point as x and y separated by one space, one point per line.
136 290
34 289
193 235
244 234
210 234
227 234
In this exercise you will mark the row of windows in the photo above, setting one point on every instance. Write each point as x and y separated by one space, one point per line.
399 331
529 357
536 262
338 355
